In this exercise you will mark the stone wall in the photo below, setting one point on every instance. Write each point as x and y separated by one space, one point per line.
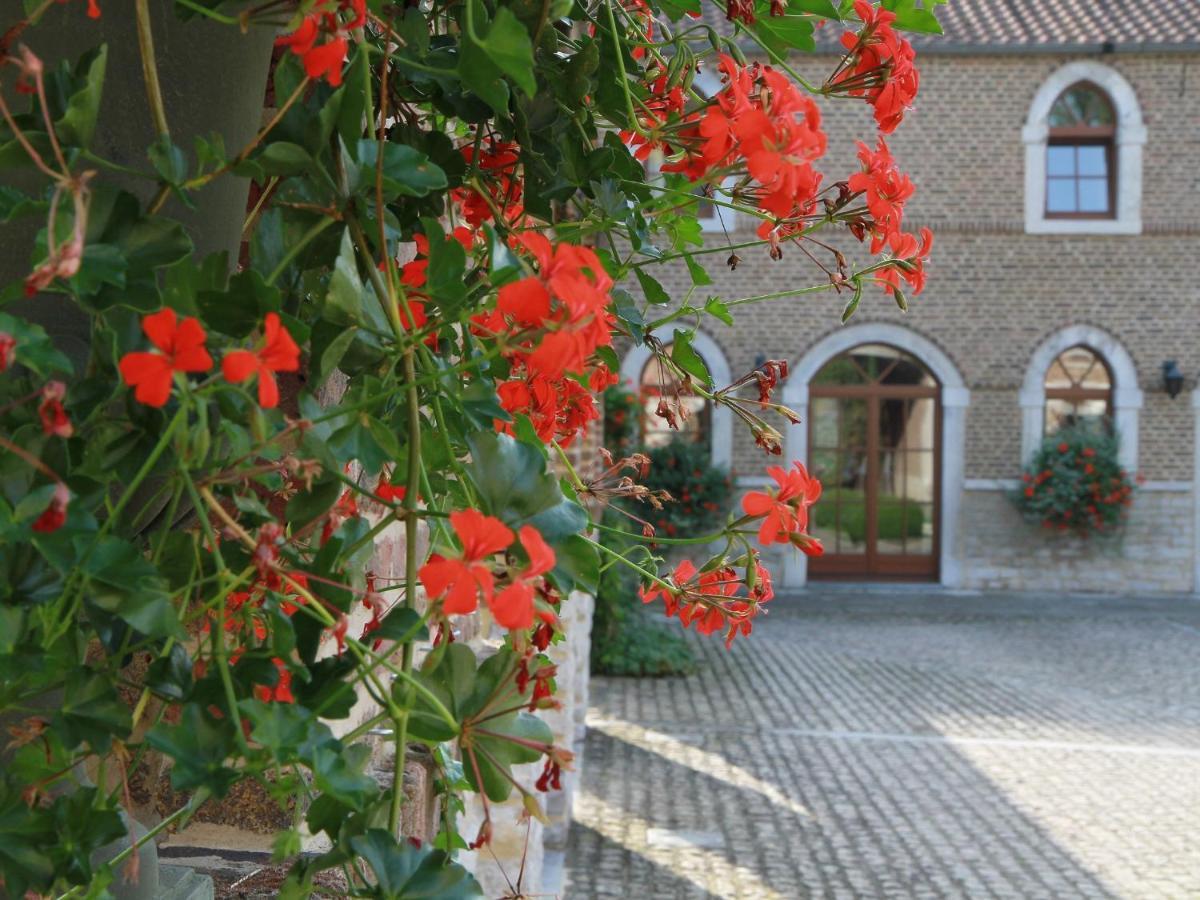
1153 553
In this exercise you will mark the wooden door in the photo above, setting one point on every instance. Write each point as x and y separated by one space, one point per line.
874 441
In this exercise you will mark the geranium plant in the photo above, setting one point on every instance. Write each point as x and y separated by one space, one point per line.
450 225
1076 483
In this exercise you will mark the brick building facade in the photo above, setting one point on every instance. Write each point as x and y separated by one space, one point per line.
1010 288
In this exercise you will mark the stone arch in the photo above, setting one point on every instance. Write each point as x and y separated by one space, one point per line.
1127 396
718 366
1130 138
954 401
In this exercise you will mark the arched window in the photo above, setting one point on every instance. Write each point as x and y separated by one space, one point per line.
657 386
1079 388
1080 373
1081 154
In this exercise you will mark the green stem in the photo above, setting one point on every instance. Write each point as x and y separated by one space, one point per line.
145 35
650 576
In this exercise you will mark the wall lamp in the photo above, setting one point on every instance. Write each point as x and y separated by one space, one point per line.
1172 378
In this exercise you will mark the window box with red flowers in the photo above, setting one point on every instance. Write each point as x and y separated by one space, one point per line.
1076 484
413 334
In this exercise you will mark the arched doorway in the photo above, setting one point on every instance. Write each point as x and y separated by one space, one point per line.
874 441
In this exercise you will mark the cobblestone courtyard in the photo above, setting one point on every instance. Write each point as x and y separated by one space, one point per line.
906 746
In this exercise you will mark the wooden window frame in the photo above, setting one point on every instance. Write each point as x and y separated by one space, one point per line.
1085 136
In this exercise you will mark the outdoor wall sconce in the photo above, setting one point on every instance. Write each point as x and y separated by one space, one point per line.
1172 378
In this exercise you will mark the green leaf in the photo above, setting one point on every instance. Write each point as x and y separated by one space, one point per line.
91 712
910 17
344 301
309 505
14 204
283 158
168 160
78 123
509 47
688 359
824 8
34 347
123 582
478 73
700 276
444 277
654 292
198 749
403 872
242 306
782 34
718 309
407 171
402 623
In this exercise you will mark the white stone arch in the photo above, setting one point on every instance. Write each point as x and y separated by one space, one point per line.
721 439
1127 396
954 401
1130 138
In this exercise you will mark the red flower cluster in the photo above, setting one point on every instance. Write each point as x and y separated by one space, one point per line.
878 67
886 189
464 578
759 123
498 164
554 322
784 512
181 346
321 40
712 599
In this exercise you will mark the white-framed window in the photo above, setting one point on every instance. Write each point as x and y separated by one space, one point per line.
1083 153
1080 373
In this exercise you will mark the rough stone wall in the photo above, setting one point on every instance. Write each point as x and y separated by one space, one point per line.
1152 554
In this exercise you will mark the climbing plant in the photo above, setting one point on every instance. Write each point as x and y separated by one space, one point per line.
451 224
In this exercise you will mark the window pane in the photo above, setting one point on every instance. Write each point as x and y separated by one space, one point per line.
823 422
1060 160
1091 411
1058 414
1060 194
1093 195
1093 160
839 370
1081 104
1078 362
1057 377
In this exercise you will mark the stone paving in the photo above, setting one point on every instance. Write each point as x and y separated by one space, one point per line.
906 745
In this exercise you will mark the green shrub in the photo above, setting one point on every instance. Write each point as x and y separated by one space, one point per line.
701 492
846 510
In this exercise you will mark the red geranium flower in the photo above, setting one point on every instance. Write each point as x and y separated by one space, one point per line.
785 511
463 578
182 350
54 417
279 353
8 350
281 691
513 606
55 515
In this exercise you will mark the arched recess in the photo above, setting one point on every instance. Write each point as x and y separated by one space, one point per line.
718 366
1130 138
954 401
1127 396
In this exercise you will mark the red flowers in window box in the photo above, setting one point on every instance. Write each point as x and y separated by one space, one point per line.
55 515
278 353
181 349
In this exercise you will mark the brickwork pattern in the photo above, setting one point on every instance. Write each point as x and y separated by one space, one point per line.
905 746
